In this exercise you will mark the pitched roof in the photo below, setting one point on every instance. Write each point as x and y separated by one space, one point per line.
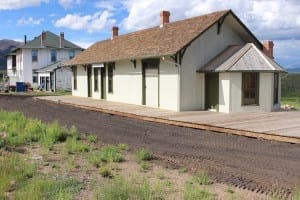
49 68
241 58
53 41
156 41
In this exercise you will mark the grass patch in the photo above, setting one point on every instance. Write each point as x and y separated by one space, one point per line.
143 155
73 145
296 194
92 138
291 101
290 90
45 187
105 171
201 178
13 169
145 166
182 170
120 188
192 192
20 130
123 147
106 154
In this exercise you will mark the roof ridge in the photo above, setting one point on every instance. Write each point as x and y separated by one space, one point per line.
243 50
170 23
265 58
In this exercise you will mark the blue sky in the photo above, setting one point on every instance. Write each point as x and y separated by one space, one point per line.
85 21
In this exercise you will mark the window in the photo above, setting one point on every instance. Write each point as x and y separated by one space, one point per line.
74 77
71 54
250 84
34 55
110 76
34 77
53 55
14 61
96 70
276 88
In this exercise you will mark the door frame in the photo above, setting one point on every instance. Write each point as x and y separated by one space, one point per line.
89 80
208 89
103 82
152 63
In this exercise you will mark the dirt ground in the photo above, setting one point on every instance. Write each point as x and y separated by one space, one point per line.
262 166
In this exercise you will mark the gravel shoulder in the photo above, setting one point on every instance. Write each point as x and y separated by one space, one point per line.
257 165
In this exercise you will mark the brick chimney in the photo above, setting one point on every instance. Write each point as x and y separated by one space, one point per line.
43 39
114 32
268 48
164 17
61 40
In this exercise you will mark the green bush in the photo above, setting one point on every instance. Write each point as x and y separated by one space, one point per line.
106 154
73 145
21 130
201 178
143 155
105 171
92 138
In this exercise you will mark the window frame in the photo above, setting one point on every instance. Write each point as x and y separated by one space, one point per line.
74 70
96 79
34 55
110 75
276 88
71 54
53 55
250 87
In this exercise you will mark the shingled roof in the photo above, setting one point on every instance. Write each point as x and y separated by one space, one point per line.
152 42
241 58
53 41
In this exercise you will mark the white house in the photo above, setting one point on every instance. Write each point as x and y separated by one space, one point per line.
26 63
205 62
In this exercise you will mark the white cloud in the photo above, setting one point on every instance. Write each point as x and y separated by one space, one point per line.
17 4
287 51
84 44
67 4
277 20
266 18
90 23
110 5
30 21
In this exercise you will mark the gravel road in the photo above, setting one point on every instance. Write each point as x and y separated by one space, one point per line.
257 165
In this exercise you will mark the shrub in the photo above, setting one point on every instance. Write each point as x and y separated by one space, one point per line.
123 147
21 130
145 165
106 154
92 138
201 178
74 146
143 155
105 171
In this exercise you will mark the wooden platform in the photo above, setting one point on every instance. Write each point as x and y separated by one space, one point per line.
280 126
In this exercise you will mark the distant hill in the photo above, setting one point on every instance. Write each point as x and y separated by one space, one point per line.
5 47
294 70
